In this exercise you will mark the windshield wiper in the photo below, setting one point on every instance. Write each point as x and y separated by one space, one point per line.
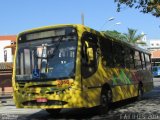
48 56
56 48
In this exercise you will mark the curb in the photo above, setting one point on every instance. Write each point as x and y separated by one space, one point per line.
6 102
6 98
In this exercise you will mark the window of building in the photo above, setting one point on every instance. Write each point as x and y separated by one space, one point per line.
5 55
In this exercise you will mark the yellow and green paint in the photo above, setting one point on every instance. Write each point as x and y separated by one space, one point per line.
80 92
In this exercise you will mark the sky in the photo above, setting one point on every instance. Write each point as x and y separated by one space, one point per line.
19 15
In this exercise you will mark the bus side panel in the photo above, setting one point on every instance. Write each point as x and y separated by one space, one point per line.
124 84
119 80
147 81
124 92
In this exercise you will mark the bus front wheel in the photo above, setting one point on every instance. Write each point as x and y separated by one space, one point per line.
105 100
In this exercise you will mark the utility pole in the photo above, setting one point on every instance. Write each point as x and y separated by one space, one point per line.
82 18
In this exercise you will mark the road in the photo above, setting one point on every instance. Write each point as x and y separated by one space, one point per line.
146 109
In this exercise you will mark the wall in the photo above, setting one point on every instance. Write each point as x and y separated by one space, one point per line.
4 43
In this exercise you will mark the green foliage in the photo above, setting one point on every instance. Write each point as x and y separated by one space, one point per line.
115 34
129 37
145 6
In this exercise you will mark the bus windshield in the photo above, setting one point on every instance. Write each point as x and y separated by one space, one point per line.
47 58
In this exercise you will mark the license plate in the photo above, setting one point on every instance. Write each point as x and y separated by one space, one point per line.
41 100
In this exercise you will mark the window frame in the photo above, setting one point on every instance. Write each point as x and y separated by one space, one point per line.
86 68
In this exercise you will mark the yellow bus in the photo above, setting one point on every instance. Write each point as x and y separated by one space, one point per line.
74 66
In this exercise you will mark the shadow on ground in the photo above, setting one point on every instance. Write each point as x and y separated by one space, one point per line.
131 107
85 113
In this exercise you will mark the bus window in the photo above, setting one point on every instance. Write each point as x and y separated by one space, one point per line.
106 48
25 63
28 62
143 61
132 63
22 62
148 61
18 64
89 54
118 55
137 60
127 57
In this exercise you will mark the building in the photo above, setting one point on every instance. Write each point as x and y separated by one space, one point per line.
155 55
143 39
154 48
7 49
154 44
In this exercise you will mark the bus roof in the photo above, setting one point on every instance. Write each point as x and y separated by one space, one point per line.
89 30
49 27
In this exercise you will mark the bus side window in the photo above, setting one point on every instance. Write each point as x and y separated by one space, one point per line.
148 61
106 48
137 60
143 61
127 57
89 54
132 63
118 55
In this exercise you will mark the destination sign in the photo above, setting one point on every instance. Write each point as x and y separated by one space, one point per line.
45 34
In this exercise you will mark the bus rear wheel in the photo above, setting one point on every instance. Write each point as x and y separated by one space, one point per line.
53 111
140 93
105 100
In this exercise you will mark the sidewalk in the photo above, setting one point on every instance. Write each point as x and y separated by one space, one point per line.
6 98
5 95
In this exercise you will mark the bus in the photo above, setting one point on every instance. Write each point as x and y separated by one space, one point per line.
156 71
74 66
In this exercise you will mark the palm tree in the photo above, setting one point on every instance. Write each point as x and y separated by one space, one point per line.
131 37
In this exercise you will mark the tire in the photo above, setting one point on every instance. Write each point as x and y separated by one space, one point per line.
105 100
53 111
140 93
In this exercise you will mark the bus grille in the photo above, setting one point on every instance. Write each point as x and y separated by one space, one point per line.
21 85
49 103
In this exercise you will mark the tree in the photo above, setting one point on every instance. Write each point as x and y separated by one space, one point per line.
131 37
145 6
114 34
